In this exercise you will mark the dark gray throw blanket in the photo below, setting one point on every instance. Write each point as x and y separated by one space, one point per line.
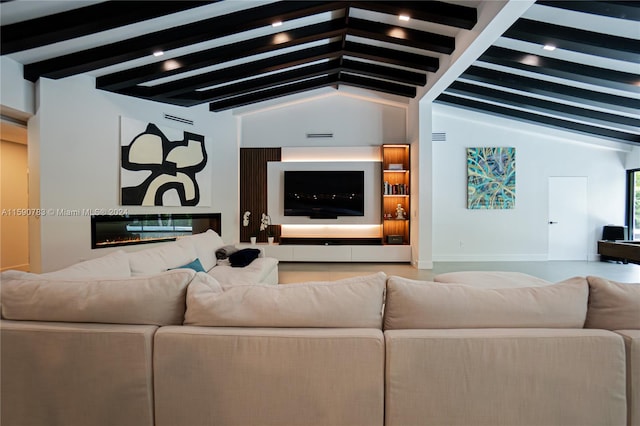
226 251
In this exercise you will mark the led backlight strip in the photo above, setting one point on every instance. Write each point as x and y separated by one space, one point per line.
331 231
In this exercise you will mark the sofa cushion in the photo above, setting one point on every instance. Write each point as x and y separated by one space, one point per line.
257 272
348 303
152 300
421 304
205 245
158 259
613 305
491 279
114 265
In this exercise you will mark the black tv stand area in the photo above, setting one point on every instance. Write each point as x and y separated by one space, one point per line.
330 241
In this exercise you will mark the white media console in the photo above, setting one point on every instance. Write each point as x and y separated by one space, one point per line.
334 253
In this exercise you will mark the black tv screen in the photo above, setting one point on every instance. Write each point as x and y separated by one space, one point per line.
323 194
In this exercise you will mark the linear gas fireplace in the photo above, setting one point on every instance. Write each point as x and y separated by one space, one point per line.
112 231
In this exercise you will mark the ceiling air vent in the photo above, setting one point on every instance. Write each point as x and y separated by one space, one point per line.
439 137
178 119
319 135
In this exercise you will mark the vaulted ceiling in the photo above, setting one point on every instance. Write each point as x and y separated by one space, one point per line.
229 54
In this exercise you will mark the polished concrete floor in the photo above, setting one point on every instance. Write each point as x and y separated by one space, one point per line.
554 271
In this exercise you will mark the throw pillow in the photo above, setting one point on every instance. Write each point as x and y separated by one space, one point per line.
195 265
422 304
205 245
348 303
243 257
613 305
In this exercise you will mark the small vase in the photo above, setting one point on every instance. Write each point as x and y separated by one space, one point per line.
253 241
270 239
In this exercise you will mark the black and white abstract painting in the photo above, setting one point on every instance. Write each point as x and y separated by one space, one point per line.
162 166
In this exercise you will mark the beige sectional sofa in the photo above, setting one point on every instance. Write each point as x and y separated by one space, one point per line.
179 349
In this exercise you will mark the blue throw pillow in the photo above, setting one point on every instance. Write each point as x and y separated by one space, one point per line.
196 265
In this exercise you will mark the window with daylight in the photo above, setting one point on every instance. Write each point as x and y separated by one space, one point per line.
633 204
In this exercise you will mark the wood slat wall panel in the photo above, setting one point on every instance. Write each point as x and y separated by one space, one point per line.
253 189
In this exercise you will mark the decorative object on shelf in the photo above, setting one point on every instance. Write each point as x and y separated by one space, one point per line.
395 166
491 178
265 225
163 166
400 212
253 240
394 239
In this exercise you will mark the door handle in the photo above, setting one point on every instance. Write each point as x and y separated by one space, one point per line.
552 223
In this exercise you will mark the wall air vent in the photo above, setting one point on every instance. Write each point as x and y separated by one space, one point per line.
439 137
319 135
178 119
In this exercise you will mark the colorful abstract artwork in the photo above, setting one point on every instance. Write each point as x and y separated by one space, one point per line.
162 166
491 178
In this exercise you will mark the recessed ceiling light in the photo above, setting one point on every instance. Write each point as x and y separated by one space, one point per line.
276 24
404 17
549 47
158 53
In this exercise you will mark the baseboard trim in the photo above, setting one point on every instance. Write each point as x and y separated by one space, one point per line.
24 267
493 258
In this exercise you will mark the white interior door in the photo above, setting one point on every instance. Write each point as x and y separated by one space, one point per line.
568 226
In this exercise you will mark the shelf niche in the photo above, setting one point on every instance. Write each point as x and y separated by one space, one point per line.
395 190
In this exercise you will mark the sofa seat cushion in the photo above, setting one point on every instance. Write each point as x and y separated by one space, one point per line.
508 377
248 376
632 344
254 273
113 265
153 300
613 305
491 279
421 304
348 303
76 374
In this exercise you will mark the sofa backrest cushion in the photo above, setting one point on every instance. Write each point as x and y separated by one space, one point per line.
414 304
348 303
112 265
491 279
153 300
205 245
154 260
613 305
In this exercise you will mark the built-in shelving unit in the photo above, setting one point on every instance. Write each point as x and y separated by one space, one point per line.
395 193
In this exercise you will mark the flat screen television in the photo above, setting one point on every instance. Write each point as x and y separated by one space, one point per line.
323 194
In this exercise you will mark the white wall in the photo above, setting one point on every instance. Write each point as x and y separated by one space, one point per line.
353 122
76 139
520 233
16 93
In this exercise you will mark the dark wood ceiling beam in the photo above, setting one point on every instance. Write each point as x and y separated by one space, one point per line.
402 36
629 10
173 38
521 100
218 55
388 73
563 69
260 83
277 92
229 74
390 56
378 85
551 89
558 123
576 40
431 11
84 21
